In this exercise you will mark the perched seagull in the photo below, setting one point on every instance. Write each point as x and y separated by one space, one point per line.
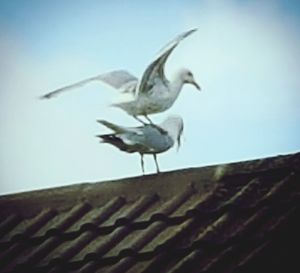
147 139
153 93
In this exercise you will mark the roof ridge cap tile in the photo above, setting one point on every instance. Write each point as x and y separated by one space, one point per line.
104 212
69 219
177 200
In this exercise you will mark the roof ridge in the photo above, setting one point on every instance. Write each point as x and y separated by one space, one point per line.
243 167
212 172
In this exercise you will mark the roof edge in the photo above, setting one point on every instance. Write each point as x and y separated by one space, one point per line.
169 183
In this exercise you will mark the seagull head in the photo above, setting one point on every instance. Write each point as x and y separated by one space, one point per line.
187 77
173 125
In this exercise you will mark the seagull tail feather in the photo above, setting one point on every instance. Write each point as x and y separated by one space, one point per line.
113 140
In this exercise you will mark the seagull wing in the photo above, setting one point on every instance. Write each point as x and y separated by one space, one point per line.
129 139
119 79
144 139
156 68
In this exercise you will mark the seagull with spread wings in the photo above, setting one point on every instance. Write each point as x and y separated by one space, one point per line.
153 93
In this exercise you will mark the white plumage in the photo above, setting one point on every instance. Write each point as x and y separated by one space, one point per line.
153 93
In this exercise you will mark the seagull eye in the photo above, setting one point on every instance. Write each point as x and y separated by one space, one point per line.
189 74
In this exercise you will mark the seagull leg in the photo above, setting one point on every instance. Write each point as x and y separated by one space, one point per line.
139 120
147 118
156 163
142 163
153 124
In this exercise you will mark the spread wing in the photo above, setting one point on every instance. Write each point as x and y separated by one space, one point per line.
119 79
155 70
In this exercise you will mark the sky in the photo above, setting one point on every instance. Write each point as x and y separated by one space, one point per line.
245 55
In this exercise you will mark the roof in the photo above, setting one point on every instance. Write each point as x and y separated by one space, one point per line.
237 217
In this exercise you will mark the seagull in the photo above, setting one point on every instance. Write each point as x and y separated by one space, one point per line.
152 93
146 139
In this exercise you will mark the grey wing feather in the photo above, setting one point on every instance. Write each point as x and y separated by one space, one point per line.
144 139
116 79
156 68
129 87
140 138
155 139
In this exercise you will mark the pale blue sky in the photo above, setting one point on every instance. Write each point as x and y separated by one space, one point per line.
245 55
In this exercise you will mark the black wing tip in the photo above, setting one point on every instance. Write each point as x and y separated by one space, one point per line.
109 138
43 97
46 97
101 138
189 32
101 121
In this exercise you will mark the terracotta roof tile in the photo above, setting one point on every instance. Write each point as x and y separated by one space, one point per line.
227 218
